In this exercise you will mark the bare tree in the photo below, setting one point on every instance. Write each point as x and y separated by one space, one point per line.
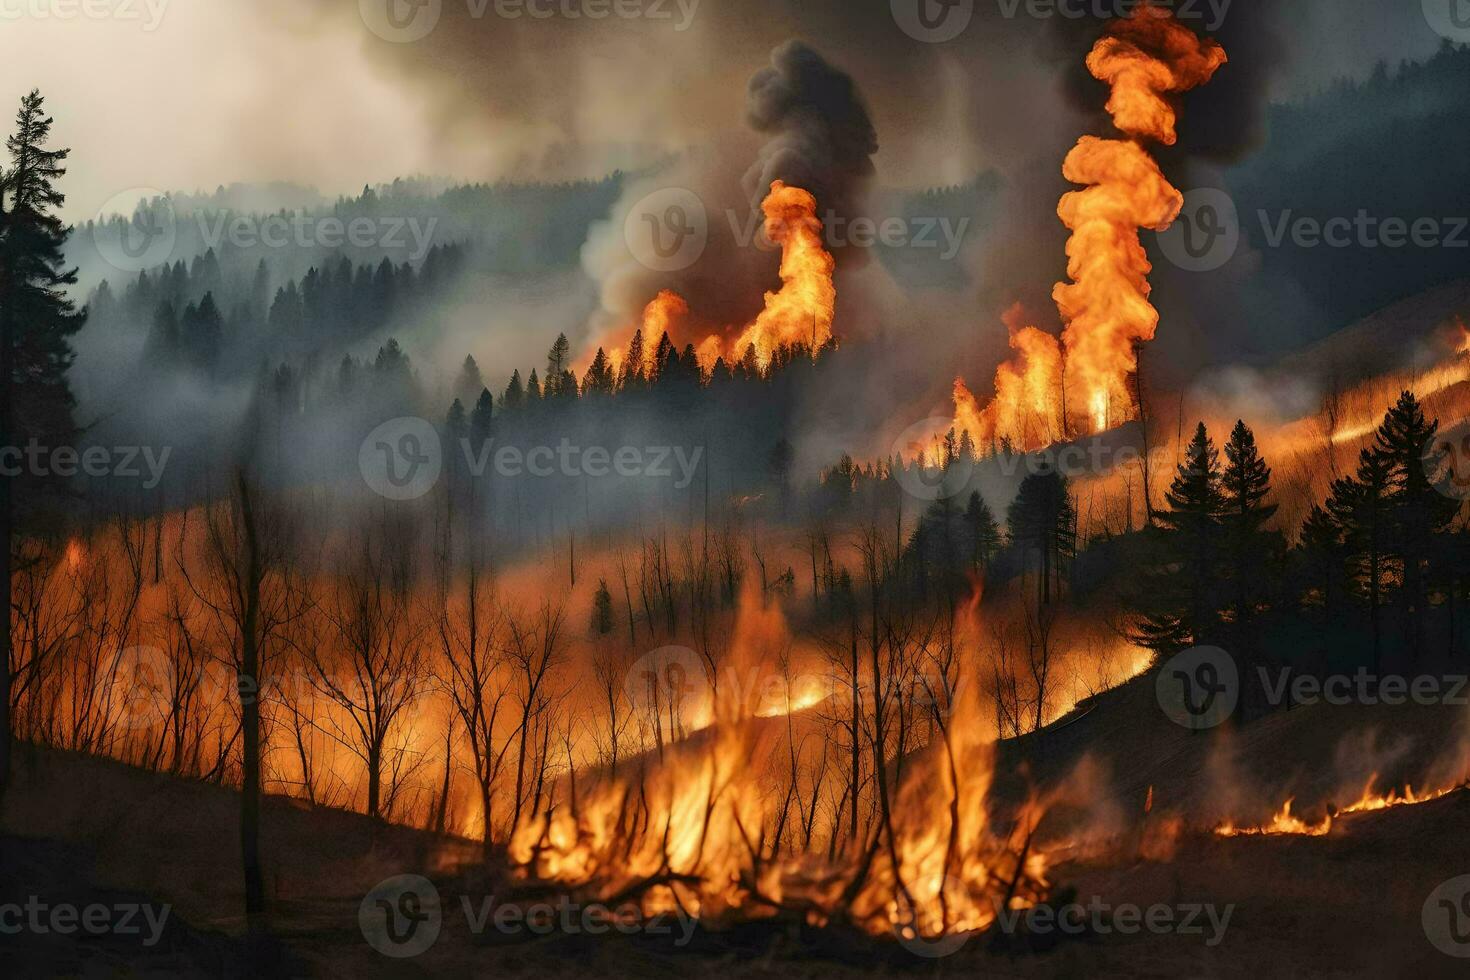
470 634
379 670
243 581
534 648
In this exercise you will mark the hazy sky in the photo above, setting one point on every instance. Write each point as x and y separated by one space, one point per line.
189 94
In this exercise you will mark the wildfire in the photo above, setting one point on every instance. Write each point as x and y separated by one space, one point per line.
1028 389
1282 822
1285 822
699 825
800 312
1105 306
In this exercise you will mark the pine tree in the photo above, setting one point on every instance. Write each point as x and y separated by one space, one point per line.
162 346
1179 589
1042 520
1324 558
598 379
557 361
633 364
514 395
468 385
533 389
985 538
1244 487
1360 506
482 418
37 321
1418 512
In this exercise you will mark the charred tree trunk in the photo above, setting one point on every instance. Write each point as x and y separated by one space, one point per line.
249 692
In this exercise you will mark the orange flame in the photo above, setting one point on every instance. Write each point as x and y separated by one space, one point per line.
1105 305
800 312
1026 406
1284 822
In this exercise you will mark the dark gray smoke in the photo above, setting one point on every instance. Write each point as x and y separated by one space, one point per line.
823 140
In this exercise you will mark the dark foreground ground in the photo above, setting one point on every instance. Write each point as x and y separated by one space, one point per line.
80 832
